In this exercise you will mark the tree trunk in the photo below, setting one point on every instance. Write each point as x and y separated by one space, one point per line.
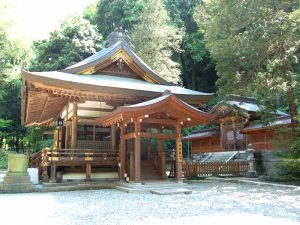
1 141
293 108
193 77
17 142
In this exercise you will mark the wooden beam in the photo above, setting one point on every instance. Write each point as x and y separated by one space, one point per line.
113 136
178 153
160 121
137 152
129 136
74 126
159 136
94 109
122 151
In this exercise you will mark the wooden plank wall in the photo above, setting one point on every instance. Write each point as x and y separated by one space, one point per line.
210 144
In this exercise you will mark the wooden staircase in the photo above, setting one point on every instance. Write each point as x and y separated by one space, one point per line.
149 171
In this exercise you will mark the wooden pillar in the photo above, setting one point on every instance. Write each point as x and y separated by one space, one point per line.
122 151
53 172
148 148
137 151
222 135
67 135
94 135
266 147
74 126
113 136
163 166
88 171
131 168
159 143
55 139
178 153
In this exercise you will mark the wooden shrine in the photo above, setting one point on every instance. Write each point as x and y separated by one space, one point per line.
81 96
149 120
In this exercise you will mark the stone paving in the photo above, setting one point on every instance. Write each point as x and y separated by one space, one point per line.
212 202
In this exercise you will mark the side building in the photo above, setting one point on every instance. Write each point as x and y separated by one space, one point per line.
237 125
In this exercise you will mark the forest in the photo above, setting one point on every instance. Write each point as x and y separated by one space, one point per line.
248 48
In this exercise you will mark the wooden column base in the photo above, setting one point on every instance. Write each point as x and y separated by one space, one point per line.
88 172
53 173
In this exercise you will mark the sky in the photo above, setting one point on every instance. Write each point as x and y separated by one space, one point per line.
34 19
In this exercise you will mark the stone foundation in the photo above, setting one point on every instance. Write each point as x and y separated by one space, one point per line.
17 178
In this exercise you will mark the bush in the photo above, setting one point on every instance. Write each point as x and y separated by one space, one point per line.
288 171
3 159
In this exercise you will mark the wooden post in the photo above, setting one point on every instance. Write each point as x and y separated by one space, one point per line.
148 148
163 166
55 139
113 136
67 135
74 126
94 135
178 153
131 169
53 172
159 143
88 171
137 151
122 150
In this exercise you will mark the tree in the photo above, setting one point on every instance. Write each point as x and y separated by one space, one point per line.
156 40
76 40
255 45
15 54
196 64
114 14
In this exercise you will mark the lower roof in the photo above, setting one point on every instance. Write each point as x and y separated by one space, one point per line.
280 121
202 134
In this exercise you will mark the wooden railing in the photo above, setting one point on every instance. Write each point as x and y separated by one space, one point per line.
83 144
35 160
71 157
66 157
214 169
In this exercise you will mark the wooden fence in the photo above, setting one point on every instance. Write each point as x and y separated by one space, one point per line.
214 169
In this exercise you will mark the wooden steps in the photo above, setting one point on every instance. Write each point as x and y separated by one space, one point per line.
149 171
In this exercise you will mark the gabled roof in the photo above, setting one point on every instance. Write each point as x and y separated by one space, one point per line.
169 104
247 108
107 53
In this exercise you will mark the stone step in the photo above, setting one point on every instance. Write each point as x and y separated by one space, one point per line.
16 179
133 187
16 187
171 191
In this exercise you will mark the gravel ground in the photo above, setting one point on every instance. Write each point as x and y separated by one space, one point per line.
210 203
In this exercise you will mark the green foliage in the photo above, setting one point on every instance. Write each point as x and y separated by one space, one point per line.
255 45
76 40
34 139
162 40
114 14
3 159
196 65
15 55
